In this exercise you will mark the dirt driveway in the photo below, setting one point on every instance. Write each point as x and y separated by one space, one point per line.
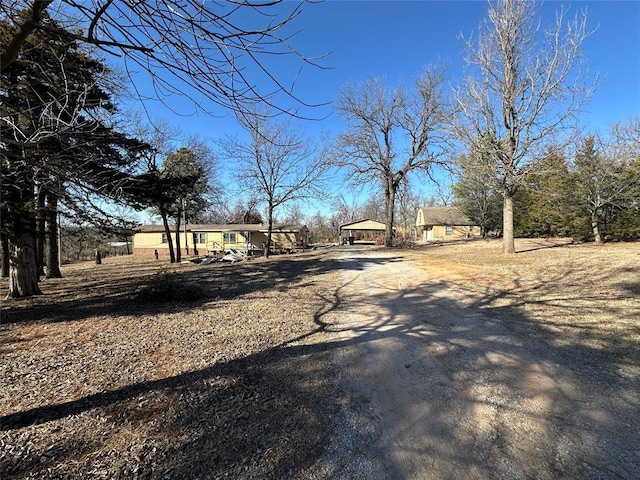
436 386
451 362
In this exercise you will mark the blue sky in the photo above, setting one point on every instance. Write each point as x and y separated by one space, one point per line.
396 39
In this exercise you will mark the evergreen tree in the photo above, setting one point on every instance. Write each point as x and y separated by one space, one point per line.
187 175
477 193
604 186
545 199
56 143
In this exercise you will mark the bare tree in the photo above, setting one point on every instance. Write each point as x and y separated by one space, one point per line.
208 51
247 212
344 210
391 133
526 84
218 51
228 208
293 215
627 137
373 207
408 204
279 163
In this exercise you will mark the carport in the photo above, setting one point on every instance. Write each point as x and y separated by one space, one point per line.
366 225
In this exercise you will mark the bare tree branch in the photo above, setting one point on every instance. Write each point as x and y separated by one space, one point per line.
207 50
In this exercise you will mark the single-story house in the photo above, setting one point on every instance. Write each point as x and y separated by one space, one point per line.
204 238
444 223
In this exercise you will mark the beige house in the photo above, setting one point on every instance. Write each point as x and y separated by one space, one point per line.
204 239
444 223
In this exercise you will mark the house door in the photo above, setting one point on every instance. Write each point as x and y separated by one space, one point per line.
428 233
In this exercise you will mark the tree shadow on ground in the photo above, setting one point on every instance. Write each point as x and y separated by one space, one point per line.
531 244
545 244
214 421
551 406
632 288
587 430
115 294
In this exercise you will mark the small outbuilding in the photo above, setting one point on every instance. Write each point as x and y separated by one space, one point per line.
360 228
444 223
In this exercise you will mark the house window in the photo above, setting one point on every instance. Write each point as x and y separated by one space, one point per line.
448 230
164 238
229 238
199 237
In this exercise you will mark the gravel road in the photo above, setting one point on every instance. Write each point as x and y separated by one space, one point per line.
435 386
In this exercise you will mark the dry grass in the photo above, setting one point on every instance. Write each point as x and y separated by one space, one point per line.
99 382
232 378
575 294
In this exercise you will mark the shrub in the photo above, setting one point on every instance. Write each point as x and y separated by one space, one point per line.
169 287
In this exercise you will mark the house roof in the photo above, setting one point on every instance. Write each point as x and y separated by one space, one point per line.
444 216
235 227
366 224
287 228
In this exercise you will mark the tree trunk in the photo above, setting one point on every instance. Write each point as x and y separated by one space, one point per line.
483 224
20 218
23 271
390 200
178 252
167 232
186 234
40 229
4 269
53 248
508 241
595 228
269 230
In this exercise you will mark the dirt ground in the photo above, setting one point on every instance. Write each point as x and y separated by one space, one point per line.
443 361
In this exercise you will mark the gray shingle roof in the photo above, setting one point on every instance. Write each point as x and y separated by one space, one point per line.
445 216
253 227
